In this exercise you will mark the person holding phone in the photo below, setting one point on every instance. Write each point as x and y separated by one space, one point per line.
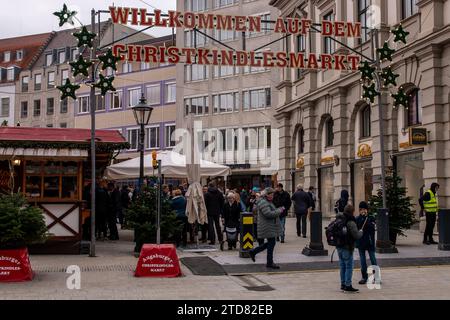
367 224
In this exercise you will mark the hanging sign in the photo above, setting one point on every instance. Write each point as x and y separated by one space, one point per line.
254 24
418 136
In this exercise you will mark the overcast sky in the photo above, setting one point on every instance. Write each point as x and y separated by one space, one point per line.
24 17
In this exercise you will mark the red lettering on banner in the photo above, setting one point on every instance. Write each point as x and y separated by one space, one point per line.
354 60
326 61
241 58
312 62
280 26
354 30
119 15
205 21
134 16
174 55
188 52
226 58
268 59
281 59
159 22
293 26
327 28
224 22
189 20
203 56
339 62
306 25
118 50
174 19
240 23
150 54
144 20
254 24
297 60
134 53
339 28
254 62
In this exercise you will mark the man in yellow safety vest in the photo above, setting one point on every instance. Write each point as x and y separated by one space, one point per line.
430 205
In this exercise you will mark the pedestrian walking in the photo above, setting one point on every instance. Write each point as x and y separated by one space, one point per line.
101 210
302 208
282 198
231 219
366 243
113 207
214 202
345 249
342 202
269 227
178 204
125 202
430 205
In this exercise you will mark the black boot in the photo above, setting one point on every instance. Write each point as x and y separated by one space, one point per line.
350 289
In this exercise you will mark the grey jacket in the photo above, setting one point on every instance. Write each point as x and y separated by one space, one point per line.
353 233
269 225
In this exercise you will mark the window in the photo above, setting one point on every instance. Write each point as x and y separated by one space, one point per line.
74 53
265 27
301 47
63 106
51 80
83 104
127 67
24 109
145 65
329 135
171 92
50 106
257 99
223 71
7 56
409 8
414 110
10 74
170 136
195 5
195 39
225 35
63 125
133 97
64 76
226 102
195 72
19 55
329 44
154 94
132 136
5 107
62 56
37 82
363 17
365 122
152 138
51 179
48 59
116 100
37 108
25 81
223 3
252 69
99 102
301 141
197 106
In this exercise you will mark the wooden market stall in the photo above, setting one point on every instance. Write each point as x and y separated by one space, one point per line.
52 167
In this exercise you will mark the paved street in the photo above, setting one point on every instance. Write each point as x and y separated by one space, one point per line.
110 276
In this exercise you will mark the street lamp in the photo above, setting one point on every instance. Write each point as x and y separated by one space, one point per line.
142 113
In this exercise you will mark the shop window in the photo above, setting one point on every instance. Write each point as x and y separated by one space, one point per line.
329 135
414 110
365 122
51 179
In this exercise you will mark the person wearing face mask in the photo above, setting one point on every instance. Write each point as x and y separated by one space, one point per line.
269 226
430 205
366 223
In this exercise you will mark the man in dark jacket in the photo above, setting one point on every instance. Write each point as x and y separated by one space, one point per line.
114 207
366 223
430 205
125 202
282 199
302 206
214 202
345 251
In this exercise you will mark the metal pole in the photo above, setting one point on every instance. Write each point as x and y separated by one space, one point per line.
141 151
92 106
158 216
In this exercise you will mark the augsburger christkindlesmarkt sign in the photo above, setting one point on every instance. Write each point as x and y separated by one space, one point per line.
204 56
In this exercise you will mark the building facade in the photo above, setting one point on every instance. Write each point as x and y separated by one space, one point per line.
330 136
17 54
38 103
156 82
233 105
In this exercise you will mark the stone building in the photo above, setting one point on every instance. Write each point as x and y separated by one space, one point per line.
330 136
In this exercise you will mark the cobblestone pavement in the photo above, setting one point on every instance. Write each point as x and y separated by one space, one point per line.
110 276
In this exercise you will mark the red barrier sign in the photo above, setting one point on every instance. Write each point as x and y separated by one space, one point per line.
15 266
158 261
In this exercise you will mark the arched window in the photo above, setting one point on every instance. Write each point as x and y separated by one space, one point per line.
414 110
300 141
329 136
365 122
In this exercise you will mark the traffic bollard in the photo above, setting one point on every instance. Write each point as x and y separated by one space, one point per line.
315 247
444 229
246 234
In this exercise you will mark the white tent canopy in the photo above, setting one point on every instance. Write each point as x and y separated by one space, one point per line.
173 165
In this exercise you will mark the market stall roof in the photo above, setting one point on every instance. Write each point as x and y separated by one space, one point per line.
173 165
25 141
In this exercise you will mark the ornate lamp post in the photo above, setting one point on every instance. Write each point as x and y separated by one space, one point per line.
142 113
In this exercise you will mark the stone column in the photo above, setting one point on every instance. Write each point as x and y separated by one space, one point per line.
432 12
435 118
285 149
312 144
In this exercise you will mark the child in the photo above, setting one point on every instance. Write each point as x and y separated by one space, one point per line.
366 223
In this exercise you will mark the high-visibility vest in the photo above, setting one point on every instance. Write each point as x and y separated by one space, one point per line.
432 205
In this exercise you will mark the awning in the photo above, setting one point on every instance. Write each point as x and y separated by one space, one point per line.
42 152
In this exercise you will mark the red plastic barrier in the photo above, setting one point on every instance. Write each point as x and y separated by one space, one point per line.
158 261
15 265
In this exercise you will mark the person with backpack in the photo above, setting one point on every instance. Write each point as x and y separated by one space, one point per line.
342 233
366 223
342 202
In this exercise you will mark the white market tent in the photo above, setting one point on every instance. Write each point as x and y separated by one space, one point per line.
173 165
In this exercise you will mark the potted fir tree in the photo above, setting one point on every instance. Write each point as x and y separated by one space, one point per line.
20 226
141 216
401 214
